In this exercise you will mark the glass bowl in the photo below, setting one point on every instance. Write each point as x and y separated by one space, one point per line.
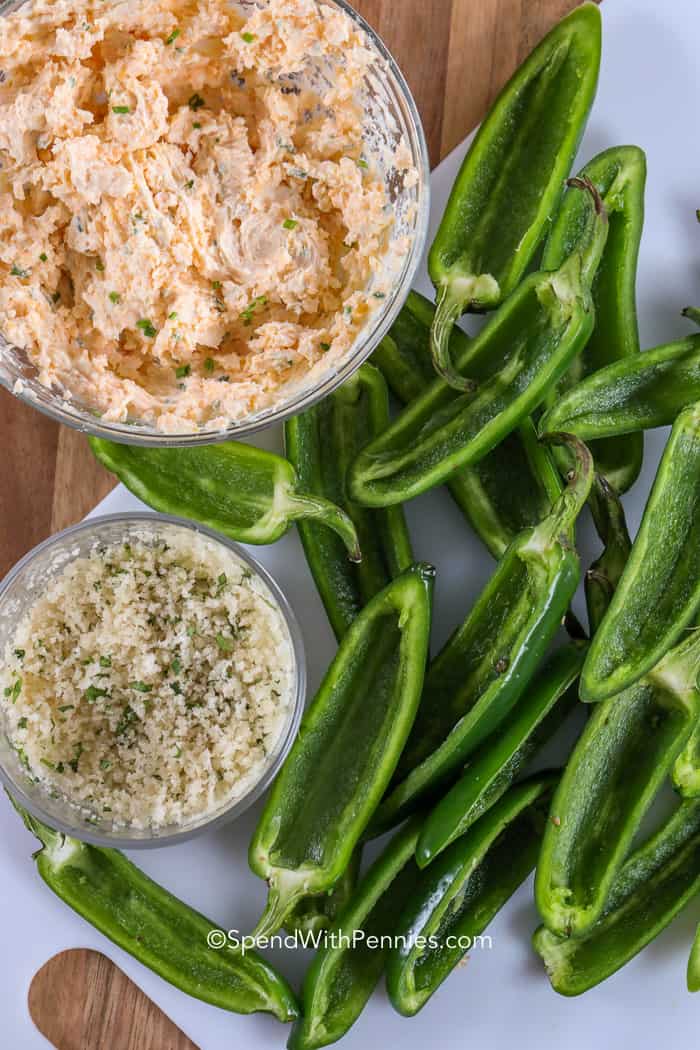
18 592
392 114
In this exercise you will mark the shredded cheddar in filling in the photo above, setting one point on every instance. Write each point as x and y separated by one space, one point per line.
186 223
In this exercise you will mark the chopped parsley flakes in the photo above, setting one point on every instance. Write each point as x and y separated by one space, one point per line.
147 327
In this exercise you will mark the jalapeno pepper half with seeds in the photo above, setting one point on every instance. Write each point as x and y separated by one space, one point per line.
619 175
473 684
346 968
636 393
618 765
244 492
524 349
654 884
512 487
321 443
510 182
658 595
547 701
159 930
459 894
348 745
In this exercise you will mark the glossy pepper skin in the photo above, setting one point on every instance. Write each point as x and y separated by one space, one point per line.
654 884
547 701
619 175
513 486
473 684
344 973
321 443
606 571
618 765
458 895
658 595
348 745
510 182
156 928
244 492
525 349
636 393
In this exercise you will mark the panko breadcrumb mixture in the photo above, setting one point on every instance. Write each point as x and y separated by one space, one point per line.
189 219
150 682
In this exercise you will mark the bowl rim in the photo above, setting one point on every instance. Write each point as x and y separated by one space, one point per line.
86 832
58 408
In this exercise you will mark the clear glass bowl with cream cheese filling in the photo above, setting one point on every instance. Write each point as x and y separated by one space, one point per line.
391 119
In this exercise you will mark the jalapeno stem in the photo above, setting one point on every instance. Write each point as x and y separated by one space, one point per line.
303 505
579 480
692 313
584 262
454 298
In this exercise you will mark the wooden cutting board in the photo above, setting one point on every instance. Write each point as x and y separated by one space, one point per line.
79 1000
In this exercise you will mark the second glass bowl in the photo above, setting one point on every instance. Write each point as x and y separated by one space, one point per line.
18 593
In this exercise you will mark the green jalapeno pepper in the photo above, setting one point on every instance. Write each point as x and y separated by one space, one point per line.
550 697
474 682
694 965
459 894
313 914
513 486
244 492
618 765
658 595
321 443
686 771
526 347
510 181
159 930
637 393
652 887
348 745
619 175
346 969
606 571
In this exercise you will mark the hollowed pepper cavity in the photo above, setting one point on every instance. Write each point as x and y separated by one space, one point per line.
523 351
511 180
513 486
348 745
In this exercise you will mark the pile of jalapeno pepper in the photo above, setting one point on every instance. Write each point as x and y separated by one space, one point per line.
537 418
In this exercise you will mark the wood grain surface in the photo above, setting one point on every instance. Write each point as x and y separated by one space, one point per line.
456 55
79 1000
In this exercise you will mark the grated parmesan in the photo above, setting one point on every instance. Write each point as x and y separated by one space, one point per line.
150 682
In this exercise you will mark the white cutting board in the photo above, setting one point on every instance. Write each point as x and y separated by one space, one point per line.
648 95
